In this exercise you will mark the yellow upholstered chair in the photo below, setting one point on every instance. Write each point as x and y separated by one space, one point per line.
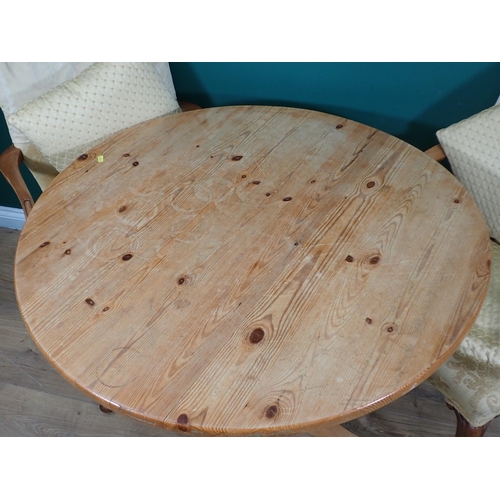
57 111
470 379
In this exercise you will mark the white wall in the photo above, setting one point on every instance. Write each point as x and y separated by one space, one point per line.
12 218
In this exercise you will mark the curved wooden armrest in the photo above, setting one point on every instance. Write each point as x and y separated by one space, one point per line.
10 161
188 106
437 153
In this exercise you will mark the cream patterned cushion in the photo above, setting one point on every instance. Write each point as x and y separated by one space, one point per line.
473 149
470 379
80 113
20 83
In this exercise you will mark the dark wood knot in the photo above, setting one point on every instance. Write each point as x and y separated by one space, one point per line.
370 184
237 158
135 163
44 244
83 157
90 302
272 411
288 198
183 422
183 419
375 260
349 258
127 256
256 336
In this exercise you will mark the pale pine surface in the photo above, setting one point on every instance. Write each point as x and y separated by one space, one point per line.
36 401
251 270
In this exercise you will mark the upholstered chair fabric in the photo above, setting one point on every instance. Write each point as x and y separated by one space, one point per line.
57 111
470 379
473 148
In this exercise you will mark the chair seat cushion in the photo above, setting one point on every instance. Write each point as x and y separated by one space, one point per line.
470 379
82 112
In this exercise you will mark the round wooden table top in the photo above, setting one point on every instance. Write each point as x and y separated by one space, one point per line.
251 269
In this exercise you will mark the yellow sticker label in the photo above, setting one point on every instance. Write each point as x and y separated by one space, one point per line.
100 159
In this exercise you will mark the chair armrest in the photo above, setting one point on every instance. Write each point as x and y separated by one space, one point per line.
188 106
10 161
437 153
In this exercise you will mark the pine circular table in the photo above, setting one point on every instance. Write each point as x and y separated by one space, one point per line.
251 270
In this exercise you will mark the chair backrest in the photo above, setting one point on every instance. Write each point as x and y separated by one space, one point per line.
472 147
56 111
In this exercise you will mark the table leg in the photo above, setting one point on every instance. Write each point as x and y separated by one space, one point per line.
332 431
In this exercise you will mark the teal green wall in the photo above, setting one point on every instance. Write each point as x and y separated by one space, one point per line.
408 100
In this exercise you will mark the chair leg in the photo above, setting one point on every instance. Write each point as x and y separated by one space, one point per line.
464 428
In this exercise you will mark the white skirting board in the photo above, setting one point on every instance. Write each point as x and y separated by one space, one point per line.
12 218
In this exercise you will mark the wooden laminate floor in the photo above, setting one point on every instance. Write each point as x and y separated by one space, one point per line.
36 401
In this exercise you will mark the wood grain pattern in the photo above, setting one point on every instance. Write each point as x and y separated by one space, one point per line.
249 270
36 401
